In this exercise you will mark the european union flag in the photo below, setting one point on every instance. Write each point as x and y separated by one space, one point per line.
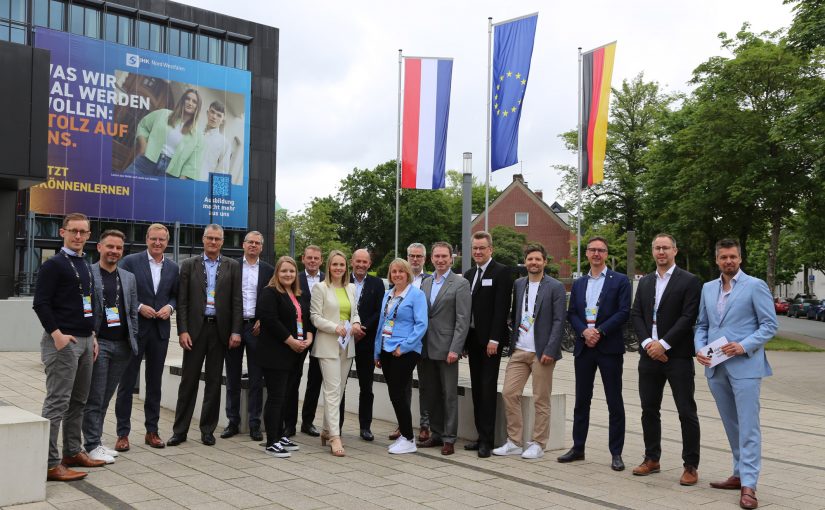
511 68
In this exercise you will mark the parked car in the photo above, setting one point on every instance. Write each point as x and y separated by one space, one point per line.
817 310
781 305
799 307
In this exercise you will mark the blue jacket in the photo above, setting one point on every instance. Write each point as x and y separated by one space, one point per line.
410 323
614 311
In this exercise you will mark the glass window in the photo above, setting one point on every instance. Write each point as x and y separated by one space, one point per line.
124 30
241 56
18 34
214 50
230 54
18 10
174 42
155 37
203 48
522 219
143 35
4 9
41 13
4 31
76 19
92 28
56 10
185 44
110 27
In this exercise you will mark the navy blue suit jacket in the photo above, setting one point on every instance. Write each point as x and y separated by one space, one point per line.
138 264
614 311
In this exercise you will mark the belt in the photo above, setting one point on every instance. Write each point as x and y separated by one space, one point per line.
249 321
210 319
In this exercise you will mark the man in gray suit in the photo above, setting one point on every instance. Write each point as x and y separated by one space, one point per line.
116 324
537 318
210 320
449 299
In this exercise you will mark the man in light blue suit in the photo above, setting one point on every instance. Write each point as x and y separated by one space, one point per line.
740 308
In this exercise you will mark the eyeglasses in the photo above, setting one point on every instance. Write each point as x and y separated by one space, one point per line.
254 243
596 250
662 248
415 256
75 232
213 239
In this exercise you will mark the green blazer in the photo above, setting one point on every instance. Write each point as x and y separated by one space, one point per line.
186 161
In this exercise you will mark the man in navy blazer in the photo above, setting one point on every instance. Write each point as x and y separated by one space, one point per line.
157 290
598 311
739 308
255 275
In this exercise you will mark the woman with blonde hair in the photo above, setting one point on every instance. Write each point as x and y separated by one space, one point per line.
285 333
334 314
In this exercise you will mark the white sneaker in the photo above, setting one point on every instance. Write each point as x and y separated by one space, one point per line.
508 448
533 451
99 454
276 450
394 443
404 446
109 451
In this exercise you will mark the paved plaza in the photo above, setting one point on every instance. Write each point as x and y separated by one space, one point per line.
236 473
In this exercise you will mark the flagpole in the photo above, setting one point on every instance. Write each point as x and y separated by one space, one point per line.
489 121
398 156
579 208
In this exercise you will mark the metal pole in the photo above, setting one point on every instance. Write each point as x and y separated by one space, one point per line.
176 243
489 121
579 208
29 250
398 156
466 212
292 243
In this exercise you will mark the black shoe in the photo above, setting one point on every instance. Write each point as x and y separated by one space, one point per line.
617 464
471 447
176 439
366 435
571 455
483 450
255 434
229 431
208 439
309 429
289 431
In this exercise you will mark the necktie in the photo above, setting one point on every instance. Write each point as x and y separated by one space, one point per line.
477 278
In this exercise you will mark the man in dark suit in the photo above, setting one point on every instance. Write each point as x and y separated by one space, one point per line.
255 275
210 319
448 307
312 274
598 310
664 312
369 292
491 285
157 290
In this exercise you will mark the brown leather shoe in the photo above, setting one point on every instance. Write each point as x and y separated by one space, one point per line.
748 498
689 477
430 443
82 459
647 467
395 435
448 449
122 444
61 473
731 484
423 434
154 440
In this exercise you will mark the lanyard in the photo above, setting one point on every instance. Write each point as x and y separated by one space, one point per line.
527 293
395 309
77 275
117 291
206 273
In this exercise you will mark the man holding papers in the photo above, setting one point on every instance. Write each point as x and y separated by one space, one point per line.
740 308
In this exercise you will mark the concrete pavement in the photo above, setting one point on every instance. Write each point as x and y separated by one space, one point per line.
236 473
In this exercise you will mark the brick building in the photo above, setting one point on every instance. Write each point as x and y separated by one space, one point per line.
525 211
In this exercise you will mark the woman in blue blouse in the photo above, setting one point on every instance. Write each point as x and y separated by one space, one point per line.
398 343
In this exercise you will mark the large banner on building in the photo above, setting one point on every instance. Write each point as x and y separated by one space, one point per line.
140 135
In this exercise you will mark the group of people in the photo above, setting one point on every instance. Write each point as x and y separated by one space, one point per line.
169 143
94 346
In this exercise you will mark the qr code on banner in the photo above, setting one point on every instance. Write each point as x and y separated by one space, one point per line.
221 185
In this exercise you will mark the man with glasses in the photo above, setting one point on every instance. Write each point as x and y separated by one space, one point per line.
416 253
157 290
65 302
664 312
210 320
598 310
255 275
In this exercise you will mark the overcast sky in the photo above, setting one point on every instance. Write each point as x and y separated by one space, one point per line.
338 88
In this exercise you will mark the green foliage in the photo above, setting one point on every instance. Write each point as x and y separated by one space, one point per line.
508 245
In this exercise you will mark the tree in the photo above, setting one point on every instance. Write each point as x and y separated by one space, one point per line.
508 245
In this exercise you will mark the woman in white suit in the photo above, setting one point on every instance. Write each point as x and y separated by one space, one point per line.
333 305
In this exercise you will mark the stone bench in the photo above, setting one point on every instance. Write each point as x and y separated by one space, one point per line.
382 407
24 441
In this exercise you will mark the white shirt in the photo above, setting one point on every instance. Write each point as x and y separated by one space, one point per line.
155 267
418 279
480 274
722 301
312 280
359 286
216 154
173 139
661 285
527 339
249 287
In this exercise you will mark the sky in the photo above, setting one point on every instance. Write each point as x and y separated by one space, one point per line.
338 74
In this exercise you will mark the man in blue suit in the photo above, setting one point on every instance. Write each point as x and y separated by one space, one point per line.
740 308
598 310
157 290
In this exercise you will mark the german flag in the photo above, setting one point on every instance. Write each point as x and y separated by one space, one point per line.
597 69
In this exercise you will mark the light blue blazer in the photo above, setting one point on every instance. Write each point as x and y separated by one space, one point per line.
410 323
749 318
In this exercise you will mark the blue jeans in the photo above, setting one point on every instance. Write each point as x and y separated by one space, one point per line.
112 359
145 166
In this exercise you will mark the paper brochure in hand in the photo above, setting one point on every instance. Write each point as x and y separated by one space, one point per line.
714 351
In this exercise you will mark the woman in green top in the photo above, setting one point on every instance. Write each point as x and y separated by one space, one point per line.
333 308
168 142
